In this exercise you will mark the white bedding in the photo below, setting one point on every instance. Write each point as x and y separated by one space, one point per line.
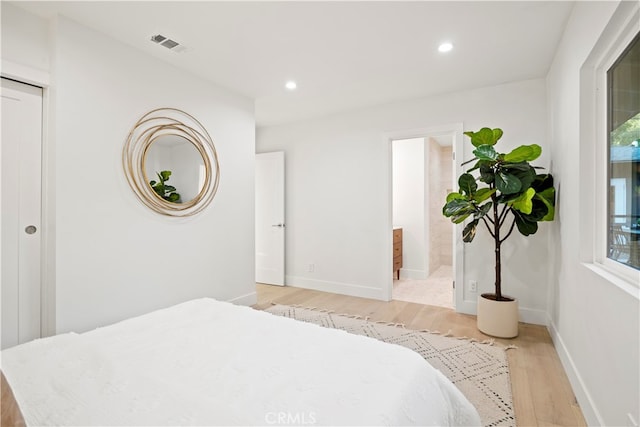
206 362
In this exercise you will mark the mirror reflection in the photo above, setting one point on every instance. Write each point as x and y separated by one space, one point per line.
174 169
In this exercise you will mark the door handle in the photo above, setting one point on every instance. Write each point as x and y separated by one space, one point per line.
281 225
30 229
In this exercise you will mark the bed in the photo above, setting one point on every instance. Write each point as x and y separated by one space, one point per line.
206 362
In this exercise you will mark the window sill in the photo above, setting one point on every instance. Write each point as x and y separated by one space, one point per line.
622 282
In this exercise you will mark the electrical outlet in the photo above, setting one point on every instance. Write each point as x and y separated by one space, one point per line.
473 286
311 268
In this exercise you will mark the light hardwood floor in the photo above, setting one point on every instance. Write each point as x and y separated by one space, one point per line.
542 394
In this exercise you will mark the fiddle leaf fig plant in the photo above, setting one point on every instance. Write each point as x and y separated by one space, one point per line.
503 191
167 192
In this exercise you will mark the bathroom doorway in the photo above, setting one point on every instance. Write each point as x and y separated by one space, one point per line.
422 175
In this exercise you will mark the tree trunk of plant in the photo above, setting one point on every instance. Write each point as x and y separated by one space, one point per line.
496 236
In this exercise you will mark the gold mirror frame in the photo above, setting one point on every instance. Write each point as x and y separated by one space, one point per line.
150 127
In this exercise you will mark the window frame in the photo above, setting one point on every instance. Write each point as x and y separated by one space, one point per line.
611 54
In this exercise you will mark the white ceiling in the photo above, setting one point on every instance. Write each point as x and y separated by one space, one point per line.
343 54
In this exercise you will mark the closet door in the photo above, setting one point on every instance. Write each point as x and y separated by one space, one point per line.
21 196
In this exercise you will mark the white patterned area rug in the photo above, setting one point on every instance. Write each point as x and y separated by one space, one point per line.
479 369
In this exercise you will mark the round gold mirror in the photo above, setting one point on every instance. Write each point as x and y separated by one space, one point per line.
175 169
171 162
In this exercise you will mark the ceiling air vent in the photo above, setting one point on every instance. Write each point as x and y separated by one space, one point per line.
168 43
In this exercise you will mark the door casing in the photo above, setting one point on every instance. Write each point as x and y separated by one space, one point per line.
456 132
41 78
21 212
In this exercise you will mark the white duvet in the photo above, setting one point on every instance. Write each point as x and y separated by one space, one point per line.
206 362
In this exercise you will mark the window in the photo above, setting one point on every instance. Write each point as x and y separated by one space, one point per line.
623 130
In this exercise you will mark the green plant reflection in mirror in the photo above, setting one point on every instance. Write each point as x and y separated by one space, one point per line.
164 190
172 157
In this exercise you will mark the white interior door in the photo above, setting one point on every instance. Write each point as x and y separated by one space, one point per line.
270 225
21 212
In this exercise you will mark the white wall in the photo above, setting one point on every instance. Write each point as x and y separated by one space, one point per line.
408 204
114 258
594 324
339 191
25 38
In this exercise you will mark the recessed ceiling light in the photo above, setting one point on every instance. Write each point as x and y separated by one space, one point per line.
445 47
291 85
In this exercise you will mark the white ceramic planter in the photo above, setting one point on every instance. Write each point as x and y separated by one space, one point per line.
498 318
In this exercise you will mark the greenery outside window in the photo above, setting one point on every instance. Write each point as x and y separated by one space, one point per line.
623 129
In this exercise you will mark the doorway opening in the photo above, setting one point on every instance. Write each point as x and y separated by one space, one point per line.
422 171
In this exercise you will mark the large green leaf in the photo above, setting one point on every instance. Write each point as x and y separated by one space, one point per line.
542 182
548 197
525 227
526 176
454 195
457 206
482 210
521 166
483 194
469 231
484 136
486 152
506 198
524 153
497 134
458 210
538 210
467 184
507 183
173 198
487 174
524 203
457 219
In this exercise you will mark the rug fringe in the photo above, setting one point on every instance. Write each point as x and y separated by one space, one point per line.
449 333
354 316
385 323
304 307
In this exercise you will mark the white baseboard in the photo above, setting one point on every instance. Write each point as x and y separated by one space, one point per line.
467 307
337 288
591 414
533 316
248 299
